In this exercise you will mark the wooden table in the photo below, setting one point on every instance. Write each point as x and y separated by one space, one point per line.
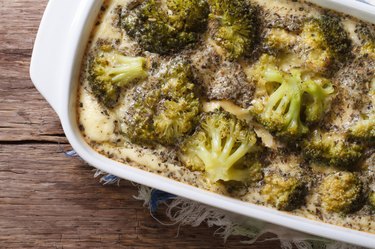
48 200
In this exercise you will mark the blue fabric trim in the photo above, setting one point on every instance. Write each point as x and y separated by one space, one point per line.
157 197
70 153
110 178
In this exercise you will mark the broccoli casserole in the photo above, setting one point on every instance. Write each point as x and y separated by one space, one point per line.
268 102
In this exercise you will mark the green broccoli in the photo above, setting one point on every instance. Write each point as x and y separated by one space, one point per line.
237 29
364 129
283 108
318 90
367 39
369 49
110 71
279 40
179 108
166 26
291 95
331 148
222 146
166 112
139 115
324 43
371 199
284 193
341 192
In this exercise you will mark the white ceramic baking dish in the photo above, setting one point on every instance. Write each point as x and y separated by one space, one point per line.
55 67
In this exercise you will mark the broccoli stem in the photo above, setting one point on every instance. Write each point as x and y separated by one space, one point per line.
273 75
285 100
221 158
127 69
315 110
282 111
221 147
228 147
238 154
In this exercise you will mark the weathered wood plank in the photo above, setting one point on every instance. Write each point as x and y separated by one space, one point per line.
48 200
24 115
19 23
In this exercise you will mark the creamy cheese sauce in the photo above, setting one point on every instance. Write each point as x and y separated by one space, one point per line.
98 124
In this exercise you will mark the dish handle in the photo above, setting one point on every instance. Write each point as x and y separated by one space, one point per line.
50 48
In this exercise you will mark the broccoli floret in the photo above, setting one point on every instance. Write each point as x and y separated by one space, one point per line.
179 108
367 39
166 26
223 147
139 115
371 199
237 29
188 14
332 148
284 193
318 91
283 108
369 49
341 192
279 40
166 112
364 129
175 119
291 95
324 43
110 71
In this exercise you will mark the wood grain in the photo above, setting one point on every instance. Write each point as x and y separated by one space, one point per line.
48 200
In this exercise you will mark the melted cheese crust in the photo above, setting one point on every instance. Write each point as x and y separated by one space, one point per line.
99 125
